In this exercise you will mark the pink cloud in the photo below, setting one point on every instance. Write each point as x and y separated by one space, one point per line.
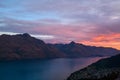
106 40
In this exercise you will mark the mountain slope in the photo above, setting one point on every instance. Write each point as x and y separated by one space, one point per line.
79 50
105 69
23 46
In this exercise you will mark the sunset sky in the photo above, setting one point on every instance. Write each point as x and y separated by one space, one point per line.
91 22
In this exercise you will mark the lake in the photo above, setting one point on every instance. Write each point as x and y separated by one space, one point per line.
51 69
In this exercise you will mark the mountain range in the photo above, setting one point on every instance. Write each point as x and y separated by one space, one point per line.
23 46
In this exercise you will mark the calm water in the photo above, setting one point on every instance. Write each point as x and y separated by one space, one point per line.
55 69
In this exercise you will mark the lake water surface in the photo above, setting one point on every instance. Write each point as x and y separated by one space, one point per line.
53 69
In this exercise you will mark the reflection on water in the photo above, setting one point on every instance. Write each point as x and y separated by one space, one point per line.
55 69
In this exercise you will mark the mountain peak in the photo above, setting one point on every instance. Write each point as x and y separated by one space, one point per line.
72 42
26 35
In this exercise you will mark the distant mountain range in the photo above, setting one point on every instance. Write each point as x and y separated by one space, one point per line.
23 46
74 50
104 69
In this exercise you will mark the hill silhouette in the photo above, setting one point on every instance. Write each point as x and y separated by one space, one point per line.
104 69
23 46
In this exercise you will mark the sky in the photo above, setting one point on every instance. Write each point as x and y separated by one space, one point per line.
91 22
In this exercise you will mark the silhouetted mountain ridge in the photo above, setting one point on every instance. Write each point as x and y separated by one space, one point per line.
79 50
23 46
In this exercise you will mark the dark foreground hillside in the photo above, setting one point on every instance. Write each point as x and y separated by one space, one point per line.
105 69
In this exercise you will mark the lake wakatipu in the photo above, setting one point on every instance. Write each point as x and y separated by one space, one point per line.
50 69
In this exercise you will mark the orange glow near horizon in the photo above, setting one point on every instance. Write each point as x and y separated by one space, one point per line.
108 40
